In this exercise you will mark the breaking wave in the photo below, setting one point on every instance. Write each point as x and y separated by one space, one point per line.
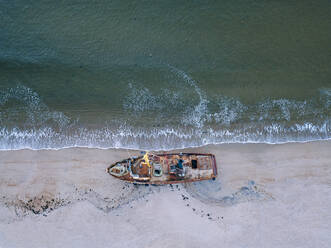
27 122
158 139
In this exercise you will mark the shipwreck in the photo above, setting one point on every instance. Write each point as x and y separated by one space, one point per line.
165 168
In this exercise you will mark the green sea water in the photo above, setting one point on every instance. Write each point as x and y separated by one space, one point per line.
163 74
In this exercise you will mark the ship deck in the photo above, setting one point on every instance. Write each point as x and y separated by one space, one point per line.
193 167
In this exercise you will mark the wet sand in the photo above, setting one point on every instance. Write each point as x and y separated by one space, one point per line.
264 196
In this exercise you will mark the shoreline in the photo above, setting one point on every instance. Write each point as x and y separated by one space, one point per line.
170 149
275 194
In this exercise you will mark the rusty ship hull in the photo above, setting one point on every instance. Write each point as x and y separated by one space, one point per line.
165 168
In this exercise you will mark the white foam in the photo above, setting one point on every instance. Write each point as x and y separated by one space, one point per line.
230 110
273 122
31 106
198 115
140 99
164 138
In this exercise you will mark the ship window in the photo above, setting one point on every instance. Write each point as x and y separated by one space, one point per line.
194 164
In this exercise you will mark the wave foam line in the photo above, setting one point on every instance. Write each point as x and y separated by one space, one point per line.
160 139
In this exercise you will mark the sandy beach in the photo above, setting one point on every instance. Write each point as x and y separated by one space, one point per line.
264 196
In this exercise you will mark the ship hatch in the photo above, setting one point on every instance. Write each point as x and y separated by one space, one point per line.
194 164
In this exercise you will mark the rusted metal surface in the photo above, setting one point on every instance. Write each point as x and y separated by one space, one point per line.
166 168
